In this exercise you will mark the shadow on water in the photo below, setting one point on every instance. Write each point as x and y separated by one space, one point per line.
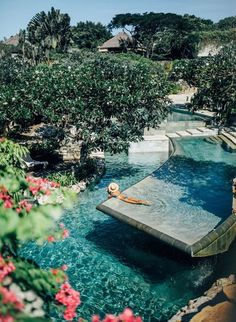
155 260
205 183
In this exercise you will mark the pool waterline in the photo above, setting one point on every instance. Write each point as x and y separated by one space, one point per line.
114 265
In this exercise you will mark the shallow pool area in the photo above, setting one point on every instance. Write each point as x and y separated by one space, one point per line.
114 265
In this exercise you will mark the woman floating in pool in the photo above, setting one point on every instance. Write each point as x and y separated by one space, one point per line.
113 191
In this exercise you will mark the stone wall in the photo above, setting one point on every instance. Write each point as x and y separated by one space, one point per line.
70 152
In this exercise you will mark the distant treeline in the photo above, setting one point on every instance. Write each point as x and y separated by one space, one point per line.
161 35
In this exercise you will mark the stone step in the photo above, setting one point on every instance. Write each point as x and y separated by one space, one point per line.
172 135
228 143
195 132
213 139
183 133
210 131
233 134
229 137
161 137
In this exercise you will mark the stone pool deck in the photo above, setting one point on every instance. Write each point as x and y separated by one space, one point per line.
185 229
161 142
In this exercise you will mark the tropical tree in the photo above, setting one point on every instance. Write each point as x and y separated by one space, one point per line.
227 23
45 33
216 85
110 100
167 35
89 35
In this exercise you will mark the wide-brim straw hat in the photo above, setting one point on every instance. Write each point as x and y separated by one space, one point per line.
113 187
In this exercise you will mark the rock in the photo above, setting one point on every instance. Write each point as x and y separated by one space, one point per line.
222 312
75 188
211 293
214 313
82 185
232 278
224 281
230 292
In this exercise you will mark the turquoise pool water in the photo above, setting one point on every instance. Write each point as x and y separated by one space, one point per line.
114 265
178 116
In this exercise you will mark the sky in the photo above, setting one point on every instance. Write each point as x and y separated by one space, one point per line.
15 14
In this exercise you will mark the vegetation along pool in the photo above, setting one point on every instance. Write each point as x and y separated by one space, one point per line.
114 265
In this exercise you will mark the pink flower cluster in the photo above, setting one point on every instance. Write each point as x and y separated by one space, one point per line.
8 202
6 318
5 268
70 298
24 204
8 297
65 233
43 185
126 316
4 196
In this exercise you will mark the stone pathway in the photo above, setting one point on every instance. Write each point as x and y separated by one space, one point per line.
200 131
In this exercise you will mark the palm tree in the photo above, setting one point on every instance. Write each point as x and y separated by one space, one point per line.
50 31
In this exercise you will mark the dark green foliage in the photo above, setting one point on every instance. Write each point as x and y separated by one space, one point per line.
188 70
109 99
10 70
44 34
8 50
12 154
50 31
216 85
89 35
164 35
75 173
215 37
227 23
30 277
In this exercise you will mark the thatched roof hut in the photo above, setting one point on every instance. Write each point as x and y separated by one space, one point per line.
13 40
119 43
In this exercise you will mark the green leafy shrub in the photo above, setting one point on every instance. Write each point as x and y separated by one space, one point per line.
12 154
109 99
65 178
22 219
188 70
216 85
11 70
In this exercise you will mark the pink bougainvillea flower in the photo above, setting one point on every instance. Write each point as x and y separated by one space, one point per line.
33 190
47 192
64 267
51 239
8 204
26 205
69 315
61 225
2 140
55 271
128 316
110 318
65 233
6 318
96 318
9 297
5 268
70 298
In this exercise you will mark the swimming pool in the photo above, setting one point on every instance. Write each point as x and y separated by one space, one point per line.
114 265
